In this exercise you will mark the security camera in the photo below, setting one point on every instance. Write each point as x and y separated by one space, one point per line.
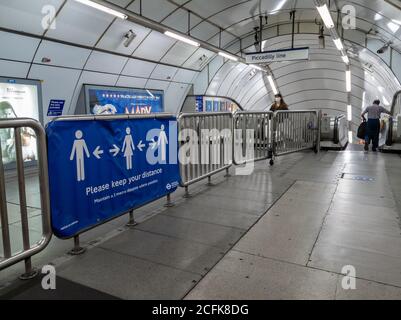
129 37
384 48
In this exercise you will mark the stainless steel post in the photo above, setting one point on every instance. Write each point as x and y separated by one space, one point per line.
131 223
29 271
4 212
169 204
77 250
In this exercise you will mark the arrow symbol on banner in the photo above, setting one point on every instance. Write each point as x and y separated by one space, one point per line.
140 145
115 150
153 144
98 152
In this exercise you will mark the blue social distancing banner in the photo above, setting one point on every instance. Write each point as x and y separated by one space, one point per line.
101 169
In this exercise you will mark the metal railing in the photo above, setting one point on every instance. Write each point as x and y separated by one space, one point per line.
9 258
252 136
205 145
294 131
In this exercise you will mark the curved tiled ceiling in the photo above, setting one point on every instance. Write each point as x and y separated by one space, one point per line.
87 47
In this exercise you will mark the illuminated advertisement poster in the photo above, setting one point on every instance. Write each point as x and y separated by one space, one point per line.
216 105
209 106
19 100
199 103
110 100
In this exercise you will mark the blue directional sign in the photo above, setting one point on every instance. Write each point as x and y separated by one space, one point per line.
101 169
55 108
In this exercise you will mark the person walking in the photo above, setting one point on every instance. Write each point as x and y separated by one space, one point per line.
373 125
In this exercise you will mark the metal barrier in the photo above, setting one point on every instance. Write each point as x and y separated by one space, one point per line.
294 131
205 145
28 251
258 146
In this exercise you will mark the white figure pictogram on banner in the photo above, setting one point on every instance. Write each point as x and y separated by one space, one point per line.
128 148
162 142
77 152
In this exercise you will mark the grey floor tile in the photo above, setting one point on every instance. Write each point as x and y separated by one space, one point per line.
352 223
367 290
370 200
368 265
215 216
209 234
288 237
242 276
362 210
237 205
365 240
128 277
182 254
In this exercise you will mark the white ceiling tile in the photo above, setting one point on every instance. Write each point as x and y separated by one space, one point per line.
113 39
104 62
157 85
78 23
131 82
154 47
185 76
199 59
204 31
121 3
179 53
139 68
178 21
62 55
163 72
23 15
13 69
17 47
157 10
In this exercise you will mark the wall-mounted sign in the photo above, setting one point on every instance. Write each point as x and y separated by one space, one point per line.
278 55
55 108
19 99
115 100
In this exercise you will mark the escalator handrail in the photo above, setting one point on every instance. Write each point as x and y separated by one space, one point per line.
395 98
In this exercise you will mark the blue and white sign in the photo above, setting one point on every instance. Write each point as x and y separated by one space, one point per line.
278 55
55 108
101 169
115 100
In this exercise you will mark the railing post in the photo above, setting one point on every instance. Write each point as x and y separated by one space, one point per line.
187 194
29 271
131 223
169 203
77 250
319 128
227 173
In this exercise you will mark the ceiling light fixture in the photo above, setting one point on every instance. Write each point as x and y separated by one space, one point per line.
348 80
326 16
103 8
228 56
338 44
272 85
182 38
257 67
349 112
394 27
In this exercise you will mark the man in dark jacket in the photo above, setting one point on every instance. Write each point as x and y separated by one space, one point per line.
373 128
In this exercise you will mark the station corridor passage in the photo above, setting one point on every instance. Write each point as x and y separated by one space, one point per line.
284 232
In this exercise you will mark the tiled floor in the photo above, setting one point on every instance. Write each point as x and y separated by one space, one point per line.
284 232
